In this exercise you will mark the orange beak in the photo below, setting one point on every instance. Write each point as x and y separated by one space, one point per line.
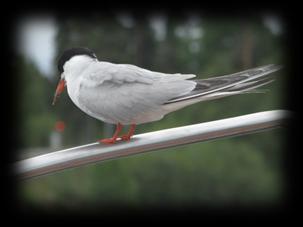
59 90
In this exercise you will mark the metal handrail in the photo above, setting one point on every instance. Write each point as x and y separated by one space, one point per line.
95 152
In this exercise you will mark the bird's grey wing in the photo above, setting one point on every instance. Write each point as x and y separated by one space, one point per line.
230 84
103 72
127 93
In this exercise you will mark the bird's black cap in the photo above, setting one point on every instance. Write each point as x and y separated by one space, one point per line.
68 54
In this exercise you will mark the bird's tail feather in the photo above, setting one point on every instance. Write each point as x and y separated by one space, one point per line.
238 83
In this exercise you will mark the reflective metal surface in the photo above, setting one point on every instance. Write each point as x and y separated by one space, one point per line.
95 152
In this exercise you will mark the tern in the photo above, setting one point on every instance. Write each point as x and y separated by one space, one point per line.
124 94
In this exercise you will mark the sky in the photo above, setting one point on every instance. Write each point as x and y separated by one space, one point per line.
36 41
37 36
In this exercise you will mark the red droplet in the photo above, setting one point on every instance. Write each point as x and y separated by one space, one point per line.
60 126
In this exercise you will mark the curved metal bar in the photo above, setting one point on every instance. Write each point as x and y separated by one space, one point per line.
96 152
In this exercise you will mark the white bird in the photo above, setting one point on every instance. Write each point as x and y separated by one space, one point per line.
124 94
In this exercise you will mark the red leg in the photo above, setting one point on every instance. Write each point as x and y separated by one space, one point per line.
115 136
130 133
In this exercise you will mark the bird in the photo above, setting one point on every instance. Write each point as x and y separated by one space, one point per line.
128 95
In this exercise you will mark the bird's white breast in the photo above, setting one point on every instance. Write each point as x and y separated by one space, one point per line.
75 70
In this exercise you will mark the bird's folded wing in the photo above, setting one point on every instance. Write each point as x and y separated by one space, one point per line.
104 72
124 92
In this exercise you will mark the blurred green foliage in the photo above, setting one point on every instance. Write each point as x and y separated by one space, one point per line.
242 170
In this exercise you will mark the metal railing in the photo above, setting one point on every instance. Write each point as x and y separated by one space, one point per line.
96 152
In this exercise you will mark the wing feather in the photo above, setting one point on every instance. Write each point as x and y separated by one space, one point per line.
102 72
230 82
126 93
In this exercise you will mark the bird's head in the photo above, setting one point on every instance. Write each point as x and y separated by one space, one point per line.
67 61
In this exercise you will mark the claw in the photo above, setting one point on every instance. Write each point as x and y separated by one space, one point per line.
125 137
108 140
130 133
115 136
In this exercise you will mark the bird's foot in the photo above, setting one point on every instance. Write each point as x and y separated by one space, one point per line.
125 137
130 133
115 136
108 140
